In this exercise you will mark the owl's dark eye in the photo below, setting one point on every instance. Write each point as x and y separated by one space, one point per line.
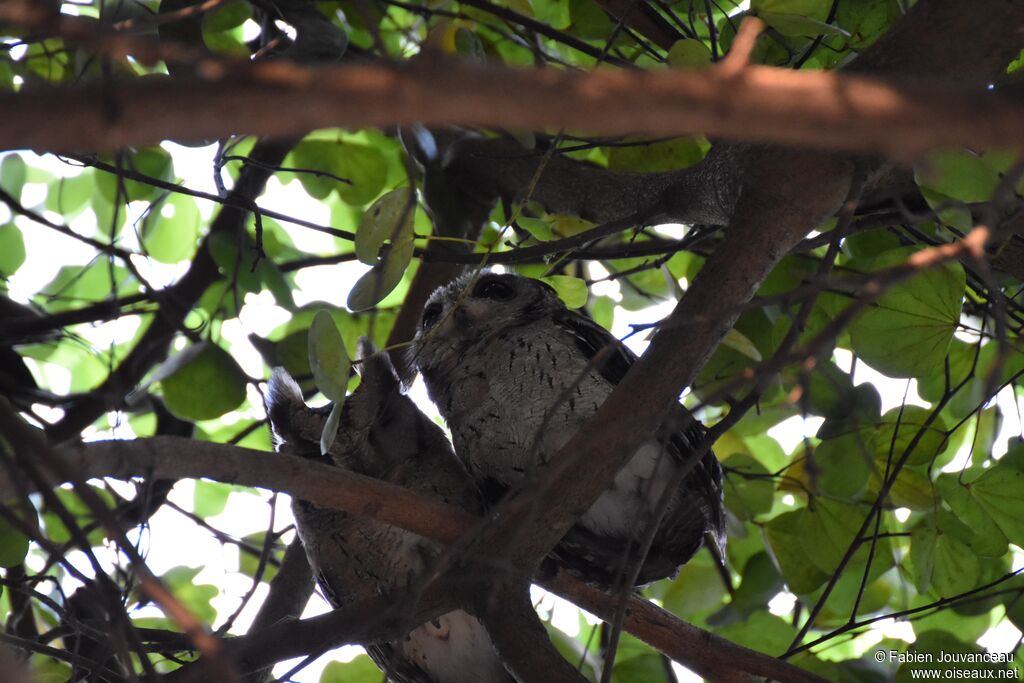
493 288
431 314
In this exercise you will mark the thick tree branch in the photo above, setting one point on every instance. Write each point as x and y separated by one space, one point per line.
899 118
368 621
289 592
709 655
170 457
176 457
520 638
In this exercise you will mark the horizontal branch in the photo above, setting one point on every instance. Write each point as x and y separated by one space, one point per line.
177 457
173 457
899 118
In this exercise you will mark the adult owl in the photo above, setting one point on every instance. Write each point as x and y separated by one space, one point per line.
382 434
515 373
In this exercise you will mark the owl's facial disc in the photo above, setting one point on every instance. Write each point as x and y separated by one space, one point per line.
473 309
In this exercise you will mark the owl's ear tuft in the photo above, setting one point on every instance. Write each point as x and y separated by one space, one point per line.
286 409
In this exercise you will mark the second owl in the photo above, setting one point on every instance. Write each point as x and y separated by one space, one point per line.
515 373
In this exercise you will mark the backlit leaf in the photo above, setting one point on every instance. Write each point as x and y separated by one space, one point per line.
908 331
210 384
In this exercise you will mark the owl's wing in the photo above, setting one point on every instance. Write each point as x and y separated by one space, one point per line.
705 480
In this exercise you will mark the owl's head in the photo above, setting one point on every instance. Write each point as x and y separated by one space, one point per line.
474 308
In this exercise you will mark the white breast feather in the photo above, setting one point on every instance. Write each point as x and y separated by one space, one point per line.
455 648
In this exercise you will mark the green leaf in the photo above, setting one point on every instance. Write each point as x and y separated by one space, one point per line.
208 385
830 391
382 279
313 156
760 583
555 13
999 493
942 560
222 28
826 531
469 47
331 427
48 670
908 332
986 538
638 669
804 8
68 196
210 498
365 167
689 54
796 25
12 249
698 588
538 228
843 464
170 230
956 568
48 59
785 539
763 632
912 488
154 162
749 489
737 341
56 530
328 358
922 556
900 427
13 172
360 670
726 363
13 545
866 413
276 282
602 310
650 157
959 174
866 20
74 285
195 597
571 290
390 218
248 563
227 16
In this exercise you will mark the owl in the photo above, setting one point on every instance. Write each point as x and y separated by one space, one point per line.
515 373
382 434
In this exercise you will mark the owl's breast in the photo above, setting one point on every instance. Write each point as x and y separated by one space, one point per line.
455 647
516 400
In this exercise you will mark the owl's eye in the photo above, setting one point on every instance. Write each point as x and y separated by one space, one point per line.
492 288
431 314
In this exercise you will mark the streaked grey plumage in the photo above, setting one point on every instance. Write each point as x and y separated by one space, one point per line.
384 435
515 373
